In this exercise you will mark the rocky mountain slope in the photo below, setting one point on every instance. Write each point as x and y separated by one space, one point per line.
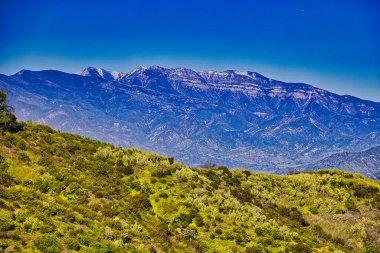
365 162
234 118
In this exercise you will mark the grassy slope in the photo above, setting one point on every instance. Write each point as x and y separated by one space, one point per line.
62 192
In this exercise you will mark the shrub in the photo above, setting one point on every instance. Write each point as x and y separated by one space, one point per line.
259 231
32 224
160 173
318 230
244 195
127 239
6 223
183 220
292 214
45 183
185 175
350 205
48 244
212 176
242 238
225 171
256 249
300 248
190 234
313 209
5 178
124 169
139 202
163 195
199 221
365 191
23 156
3 246
72 244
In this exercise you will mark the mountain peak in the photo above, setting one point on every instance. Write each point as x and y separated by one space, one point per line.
151 67
21 72
100 73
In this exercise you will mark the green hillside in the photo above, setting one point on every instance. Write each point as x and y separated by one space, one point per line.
64 193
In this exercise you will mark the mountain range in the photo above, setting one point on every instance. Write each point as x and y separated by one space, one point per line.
366 162
233 118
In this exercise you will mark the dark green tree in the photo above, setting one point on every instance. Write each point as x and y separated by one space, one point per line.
8 121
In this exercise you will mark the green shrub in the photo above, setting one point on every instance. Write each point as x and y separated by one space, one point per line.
24 157
256 249
199 221
6 223
72 244
351 206
163 195
5 178
139 202
124 169
48 244
161 173
183 220
190 234
365 191
218 231
313 209
244 195
300 248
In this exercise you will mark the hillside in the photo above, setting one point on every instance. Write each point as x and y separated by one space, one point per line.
366 162
60 192
233 118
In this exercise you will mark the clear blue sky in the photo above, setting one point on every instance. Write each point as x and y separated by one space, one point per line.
331 44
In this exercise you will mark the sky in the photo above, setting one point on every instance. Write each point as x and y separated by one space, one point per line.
334 45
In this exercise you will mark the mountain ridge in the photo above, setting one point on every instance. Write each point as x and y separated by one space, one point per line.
117 76
356 162
226 117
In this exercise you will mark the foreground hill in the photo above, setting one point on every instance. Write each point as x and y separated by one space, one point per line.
61 192
366 162
234 118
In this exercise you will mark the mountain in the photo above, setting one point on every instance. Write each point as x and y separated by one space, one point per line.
233 118
366 162
100 73
60 192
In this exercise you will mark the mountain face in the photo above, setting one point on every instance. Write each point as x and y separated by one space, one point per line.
234 118
366 162
101 73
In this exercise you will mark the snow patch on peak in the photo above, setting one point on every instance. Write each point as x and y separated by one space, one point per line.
116 74
213 73
101 73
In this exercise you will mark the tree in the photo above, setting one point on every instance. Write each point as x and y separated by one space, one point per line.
8 121
5 178
209 165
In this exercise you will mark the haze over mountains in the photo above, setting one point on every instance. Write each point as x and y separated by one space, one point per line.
233 118
366 162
